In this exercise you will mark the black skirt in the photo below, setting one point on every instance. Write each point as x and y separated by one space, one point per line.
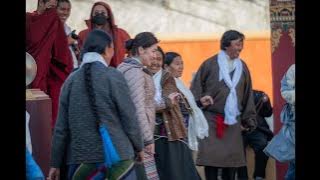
174 160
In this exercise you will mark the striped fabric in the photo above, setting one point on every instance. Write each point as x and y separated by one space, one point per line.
92 171
97 171
150 167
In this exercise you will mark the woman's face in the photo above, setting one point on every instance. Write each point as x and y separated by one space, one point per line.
108 53
176 67
156 63
99 9
148 54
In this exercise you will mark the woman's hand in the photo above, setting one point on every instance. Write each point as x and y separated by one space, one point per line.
54 174
174 97
150 149
140 156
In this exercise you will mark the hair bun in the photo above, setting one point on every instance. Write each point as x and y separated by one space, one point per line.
129 44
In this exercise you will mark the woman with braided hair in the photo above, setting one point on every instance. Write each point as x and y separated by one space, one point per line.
92 97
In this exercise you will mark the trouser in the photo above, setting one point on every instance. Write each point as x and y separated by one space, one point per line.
211 173
258 141
64 169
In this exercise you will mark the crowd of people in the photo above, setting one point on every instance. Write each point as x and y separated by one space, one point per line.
121 111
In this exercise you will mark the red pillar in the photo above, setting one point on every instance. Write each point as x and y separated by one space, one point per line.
282 16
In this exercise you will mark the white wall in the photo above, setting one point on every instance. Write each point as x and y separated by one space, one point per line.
175 16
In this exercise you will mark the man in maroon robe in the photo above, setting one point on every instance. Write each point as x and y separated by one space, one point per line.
46 41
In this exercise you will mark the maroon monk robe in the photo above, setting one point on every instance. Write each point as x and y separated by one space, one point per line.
46 41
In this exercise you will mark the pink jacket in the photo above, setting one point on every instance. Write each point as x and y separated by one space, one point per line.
142 92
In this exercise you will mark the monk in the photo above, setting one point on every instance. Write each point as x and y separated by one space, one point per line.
47 42
101 17
64 11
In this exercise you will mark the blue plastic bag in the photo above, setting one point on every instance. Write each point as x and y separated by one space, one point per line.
111 155
33 171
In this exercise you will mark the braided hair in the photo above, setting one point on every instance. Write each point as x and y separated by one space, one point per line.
97 41
90 91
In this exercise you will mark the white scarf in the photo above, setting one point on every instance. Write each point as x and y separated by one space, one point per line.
231 110
157 82
28 137
198 125
91 57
